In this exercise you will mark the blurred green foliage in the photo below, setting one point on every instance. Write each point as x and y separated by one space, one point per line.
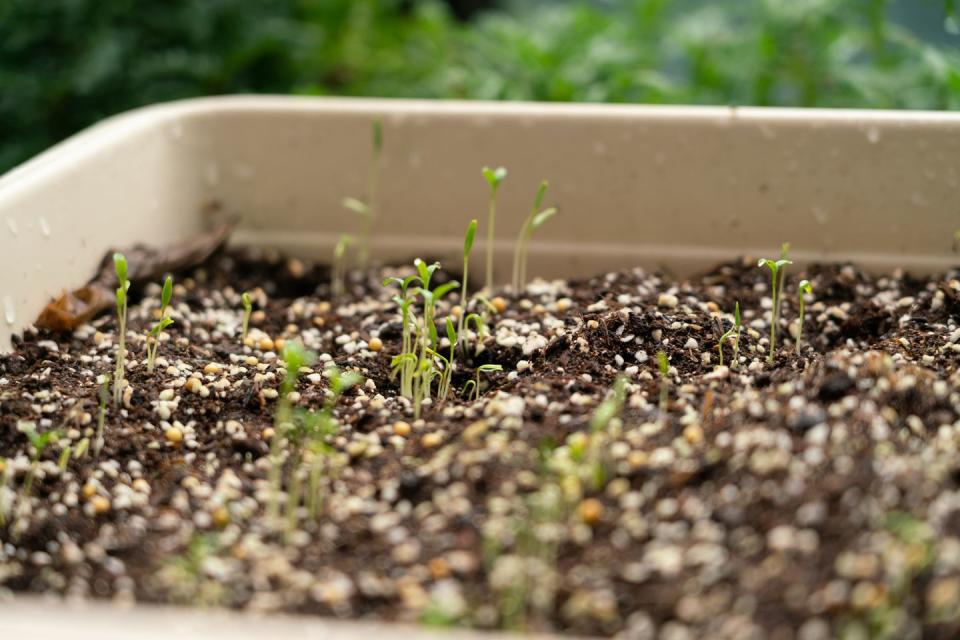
65 64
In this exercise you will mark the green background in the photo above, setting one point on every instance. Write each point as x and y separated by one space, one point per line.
65 64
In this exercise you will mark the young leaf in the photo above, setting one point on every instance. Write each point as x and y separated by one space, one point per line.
356 206
445 288
542 217
167 292
663 363
494 176
468 239
451 332
541 192
120 264
247 301
805 287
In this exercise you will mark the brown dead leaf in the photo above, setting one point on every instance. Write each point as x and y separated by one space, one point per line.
74 308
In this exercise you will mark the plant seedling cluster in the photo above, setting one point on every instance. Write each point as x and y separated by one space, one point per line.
300 436
420 361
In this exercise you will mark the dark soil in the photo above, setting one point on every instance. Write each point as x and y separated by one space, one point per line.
812 497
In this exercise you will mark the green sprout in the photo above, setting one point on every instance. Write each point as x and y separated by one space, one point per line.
536 219
663 364
153 337
247 302
775 266
804 289
38 444
474 385
294 358
467 247
367 210
123 286
64 458
429 339
784 255
404 301
339 271
494 178
305 433
102 414
419 360
611 407
734 334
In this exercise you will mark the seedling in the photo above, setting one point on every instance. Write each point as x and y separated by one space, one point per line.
774 266
247 312
804 289
153 337
123 286
734 334
467 247
663 363
611 407
446 374
784 255
339 271
474 385
536 219
401 363
64 458
494 178
956 241
38 444
102 414
367 210
294 357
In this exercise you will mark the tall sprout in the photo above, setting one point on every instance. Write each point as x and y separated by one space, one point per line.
535 219
153 337
494 178
774 266
467 247
367 209
123 286
338 272
804 289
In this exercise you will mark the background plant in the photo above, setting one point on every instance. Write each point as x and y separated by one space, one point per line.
830 53
367 209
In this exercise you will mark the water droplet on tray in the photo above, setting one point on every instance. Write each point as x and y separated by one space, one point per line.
873 135
9 312
14 229
44 227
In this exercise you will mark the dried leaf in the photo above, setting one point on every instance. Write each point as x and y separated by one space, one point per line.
74 308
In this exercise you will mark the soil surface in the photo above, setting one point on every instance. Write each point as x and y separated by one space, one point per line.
814 496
